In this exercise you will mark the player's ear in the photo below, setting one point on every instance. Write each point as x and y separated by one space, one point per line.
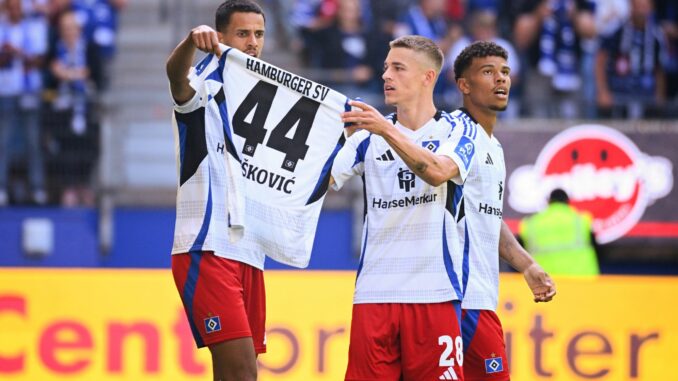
220 36
430 75
463 85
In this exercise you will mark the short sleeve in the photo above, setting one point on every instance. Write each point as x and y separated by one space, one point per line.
350 160
197 77
460 147
190 105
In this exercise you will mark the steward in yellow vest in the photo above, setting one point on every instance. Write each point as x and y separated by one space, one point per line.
560 238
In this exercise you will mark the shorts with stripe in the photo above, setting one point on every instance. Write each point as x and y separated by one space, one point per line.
223 299
484 347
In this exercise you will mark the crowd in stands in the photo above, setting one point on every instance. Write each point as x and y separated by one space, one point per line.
569 58
54 65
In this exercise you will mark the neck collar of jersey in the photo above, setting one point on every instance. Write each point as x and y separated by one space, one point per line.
465 111
436 116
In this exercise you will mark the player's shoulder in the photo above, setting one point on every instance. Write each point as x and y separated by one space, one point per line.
462 123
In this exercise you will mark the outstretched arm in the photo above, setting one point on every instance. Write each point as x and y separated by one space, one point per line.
432 168
538 280
180 60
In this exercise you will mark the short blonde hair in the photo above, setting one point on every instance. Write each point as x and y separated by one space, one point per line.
423 45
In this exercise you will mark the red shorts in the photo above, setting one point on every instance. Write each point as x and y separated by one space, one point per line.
224 299
405 341
484 348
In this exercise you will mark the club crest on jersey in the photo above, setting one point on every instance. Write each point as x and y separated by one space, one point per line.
405 179
465 149
493 365
603 172
212 324
431 145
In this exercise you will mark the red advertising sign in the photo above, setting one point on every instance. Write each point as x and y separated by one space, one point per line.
602 171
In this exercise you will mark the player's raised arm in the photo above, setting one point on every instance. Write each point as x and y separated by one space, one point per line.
537 279
432 168
180 60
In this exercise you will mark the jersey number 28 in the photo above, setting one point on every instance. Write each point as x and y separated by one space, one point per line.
454 349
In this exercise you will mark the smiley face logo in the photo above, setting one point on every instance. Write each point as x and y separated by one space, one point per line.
602 171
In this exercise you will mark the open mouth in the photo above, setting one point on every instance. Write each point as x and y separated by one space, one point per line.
388 88
501 92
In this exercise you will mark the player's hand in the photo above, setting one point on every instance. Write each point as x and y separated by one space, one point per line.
540 283
366 117
206 39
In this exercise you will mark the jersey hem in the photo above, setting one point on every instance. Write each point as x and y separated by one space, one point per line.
378 301
259 266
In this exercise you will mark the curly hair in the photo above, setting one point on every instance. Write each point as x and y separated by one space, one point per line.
223 14
478 49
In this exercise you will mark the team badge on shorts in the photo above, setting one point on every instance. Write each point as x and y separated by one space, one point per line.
212 324
431 145
493 365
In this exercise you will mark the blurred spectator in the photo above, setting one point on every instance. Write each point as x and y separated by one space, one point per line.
547 34
98 23
427 18
560 238
74 137
483 27
310 17
22 49
385 15
667 11
629 75
346 47
610 15
99 20
457 9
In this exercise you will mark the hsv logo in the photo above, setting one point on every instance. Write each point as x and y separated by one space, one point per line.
431 145
602 171
212 324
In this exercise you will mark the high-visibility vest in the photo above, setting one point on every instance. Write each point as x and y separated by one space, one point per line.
559 239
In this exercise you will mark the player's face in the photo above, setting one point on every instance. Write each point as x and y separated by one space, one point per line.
245 32
487 83
404 75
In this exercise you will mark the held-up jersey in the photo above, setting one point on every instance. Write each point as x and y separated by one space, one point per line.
410 248
284 132
480 224
209 192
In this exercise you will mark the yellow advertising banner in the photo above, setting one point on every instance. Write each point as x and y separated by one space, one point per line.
103 325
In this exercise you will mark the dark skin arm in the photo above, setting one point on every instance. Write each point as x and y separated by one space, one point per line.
540 283
180 60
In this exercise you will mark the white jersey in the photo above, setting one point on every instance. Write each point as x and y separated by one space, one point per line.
285 131
480 224
208 183
410 248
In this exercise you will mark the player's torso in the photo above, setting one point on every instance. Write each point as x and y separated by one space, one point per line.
483 209
202 215
408 232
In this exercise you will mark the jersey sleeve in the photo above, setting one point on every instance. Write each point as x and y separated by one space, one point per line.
460 147
350 160
197 77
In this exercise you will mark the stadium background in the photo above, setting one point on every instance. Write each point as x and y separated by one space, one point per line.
85 291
